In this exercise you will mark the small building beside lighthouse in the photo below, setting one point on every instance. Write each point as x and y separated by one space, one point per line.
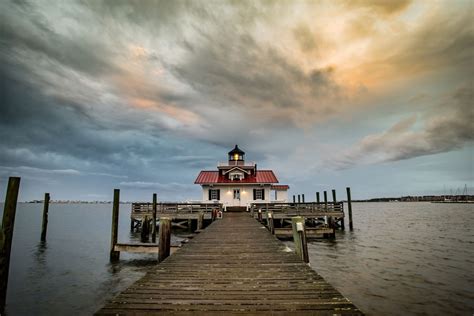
237 183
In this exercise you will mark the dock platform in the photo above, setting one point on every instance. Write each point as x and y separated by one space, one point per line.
234 267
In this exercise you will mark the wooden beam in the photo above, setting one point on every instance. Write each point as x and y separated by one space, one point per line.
6 236
310 232
142 248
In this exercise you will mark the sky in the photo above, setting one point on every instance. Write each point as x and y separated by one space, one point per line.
142 95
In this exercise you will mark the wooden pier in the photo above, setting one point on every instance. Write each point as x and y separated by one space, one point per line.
182 214
321 218
235 266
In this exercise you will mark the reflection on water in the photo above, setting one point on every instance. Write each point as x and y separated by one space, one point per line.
402 258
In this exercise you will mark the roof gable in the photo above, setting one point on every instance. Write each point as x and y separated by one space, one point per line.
237 168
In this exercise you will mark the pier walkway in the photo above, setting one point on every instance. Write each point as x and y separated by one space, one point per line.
235 266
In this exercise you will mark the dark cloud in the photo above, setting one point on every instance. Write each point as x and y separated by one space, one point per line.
251 76
84 54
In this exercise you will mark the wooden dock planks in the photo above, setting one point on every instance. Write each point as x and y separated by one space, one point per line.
235 266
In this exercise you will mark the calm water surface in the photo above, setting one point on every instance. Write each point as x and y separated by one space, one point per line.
401 259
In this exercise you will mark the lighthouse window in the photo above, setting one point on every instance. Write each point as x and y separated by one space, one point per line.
214 194
258 194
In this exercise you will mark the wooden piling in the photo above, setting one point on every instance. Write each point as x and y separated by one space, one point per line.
317 197
294 199
6 236
270 223
200 221
115 255
153 228
190 225
44 226
299 238
164 238
325 201
145 233
332 225
299 198
335 201
349 207
302 198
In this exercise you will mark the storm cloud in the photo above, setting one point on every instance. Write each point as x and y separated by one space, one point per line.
450 129
145 93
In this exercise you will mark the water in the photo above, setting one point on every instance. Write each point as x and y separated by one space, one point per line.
71 274
402 258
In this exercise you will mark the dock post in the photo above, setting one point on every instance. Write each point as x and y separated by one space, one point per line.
153 228
349 207
294 199
115 255
299 198
200 221
270 223
164 238
44 226
145 233
299 238
302 198
325 201
335 201
8 223
317 197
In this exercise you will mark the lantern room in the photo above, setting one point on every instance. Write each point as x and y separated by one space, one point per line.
236 156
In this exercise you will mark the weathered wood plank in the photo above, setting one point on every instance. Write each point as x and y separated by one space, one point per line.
141 248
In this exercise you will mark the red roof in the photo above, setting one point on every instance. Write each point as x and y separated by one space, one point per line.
280 187
210 177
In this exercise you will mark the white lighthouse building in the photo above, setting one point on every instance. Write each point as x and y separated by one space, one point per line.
237 184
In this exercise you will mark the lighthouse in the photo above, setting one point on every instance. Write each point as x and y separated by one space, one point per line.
237 183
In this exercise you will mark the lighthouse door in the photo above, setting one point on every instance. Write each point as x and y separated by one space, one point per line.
236 197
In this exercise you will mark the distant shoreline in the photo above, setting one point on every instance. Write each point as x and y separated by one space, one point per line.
445 199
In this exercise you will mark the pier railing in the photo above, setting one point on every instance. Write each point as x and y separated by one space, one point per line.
321 208
173 208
